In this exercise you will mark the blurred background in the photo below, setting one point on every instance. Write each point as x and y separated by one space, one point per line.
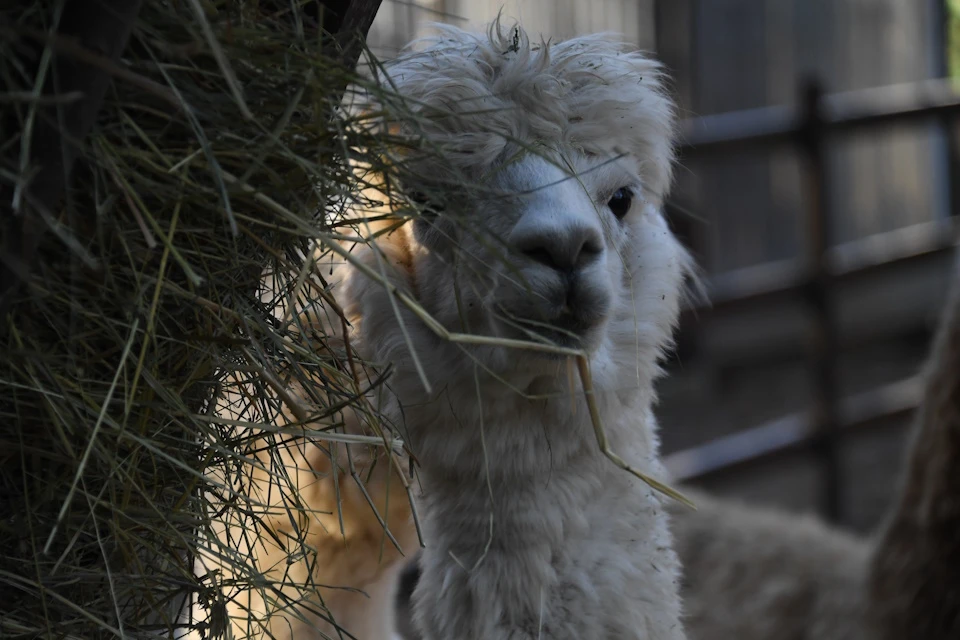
824 239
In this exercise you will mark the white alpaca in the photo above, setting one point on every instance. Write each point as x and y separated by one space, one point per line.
564 152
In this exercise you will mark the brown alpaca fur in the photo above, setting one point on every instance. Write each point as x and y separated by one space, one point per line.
351 574
915 573
317 572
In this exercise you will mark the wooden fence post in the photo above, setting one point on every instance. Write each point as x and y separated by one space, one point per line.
818 293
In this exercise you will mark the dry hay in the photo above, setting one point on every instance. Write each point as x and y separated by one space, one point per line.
216 144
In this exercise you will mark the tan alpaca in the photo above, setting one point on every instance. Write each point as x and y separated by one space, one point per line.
755 574
322 581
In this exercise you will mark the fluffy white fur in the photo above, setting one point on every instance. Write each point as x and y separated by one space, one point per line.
530 531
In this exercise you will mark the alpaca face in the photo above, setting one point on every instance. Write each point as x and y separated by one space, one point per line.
540 171
559 276
565 249
546 253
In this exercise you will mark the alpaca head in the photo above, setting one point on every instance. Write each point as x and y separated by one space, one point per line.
540 171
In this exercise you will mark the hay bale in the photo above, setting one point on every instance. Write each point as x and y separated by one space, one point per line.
219 152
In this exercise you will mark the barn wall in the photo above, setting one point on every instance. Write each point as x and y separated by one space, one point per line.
400 20
739 54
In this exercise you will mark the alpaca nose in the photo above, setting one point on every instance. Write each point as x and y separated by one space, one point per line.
562 247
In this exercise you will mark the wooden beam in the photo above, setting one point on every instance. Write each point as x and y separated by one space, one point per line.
793 432
846 261
849 111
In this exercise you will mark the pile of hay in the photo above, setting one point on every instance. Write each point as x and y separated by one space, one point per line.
219 151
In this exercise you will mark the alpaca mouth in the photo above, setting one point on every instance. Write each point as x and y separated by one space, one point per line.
568 330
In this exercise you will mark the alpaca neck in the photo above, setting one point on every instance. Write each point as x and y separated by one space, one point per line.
508 533
512 438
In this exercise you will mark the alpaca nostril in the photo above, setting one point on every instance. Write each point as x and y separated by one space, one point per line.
563 256
589 251
541 255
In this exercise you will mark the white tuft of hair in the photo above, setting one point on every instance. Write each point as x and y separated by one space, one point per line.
487 95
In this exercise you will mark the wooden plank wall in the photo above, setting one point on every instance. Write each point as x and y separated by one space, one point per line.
739 54
400 20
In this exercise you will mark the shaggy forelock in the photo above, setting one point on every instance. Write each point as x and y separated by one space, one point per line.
486 96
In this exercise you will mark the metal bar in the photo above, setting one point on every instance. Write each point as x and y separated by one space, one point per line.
944 144
793 432
818 295
863 257
352 30
841 113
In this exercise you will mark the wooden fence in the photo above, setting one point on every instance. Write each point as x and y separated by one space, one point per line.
819 120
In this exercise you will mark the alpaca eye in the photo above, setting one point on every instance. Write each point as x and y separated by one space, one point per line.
620 202
428 207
